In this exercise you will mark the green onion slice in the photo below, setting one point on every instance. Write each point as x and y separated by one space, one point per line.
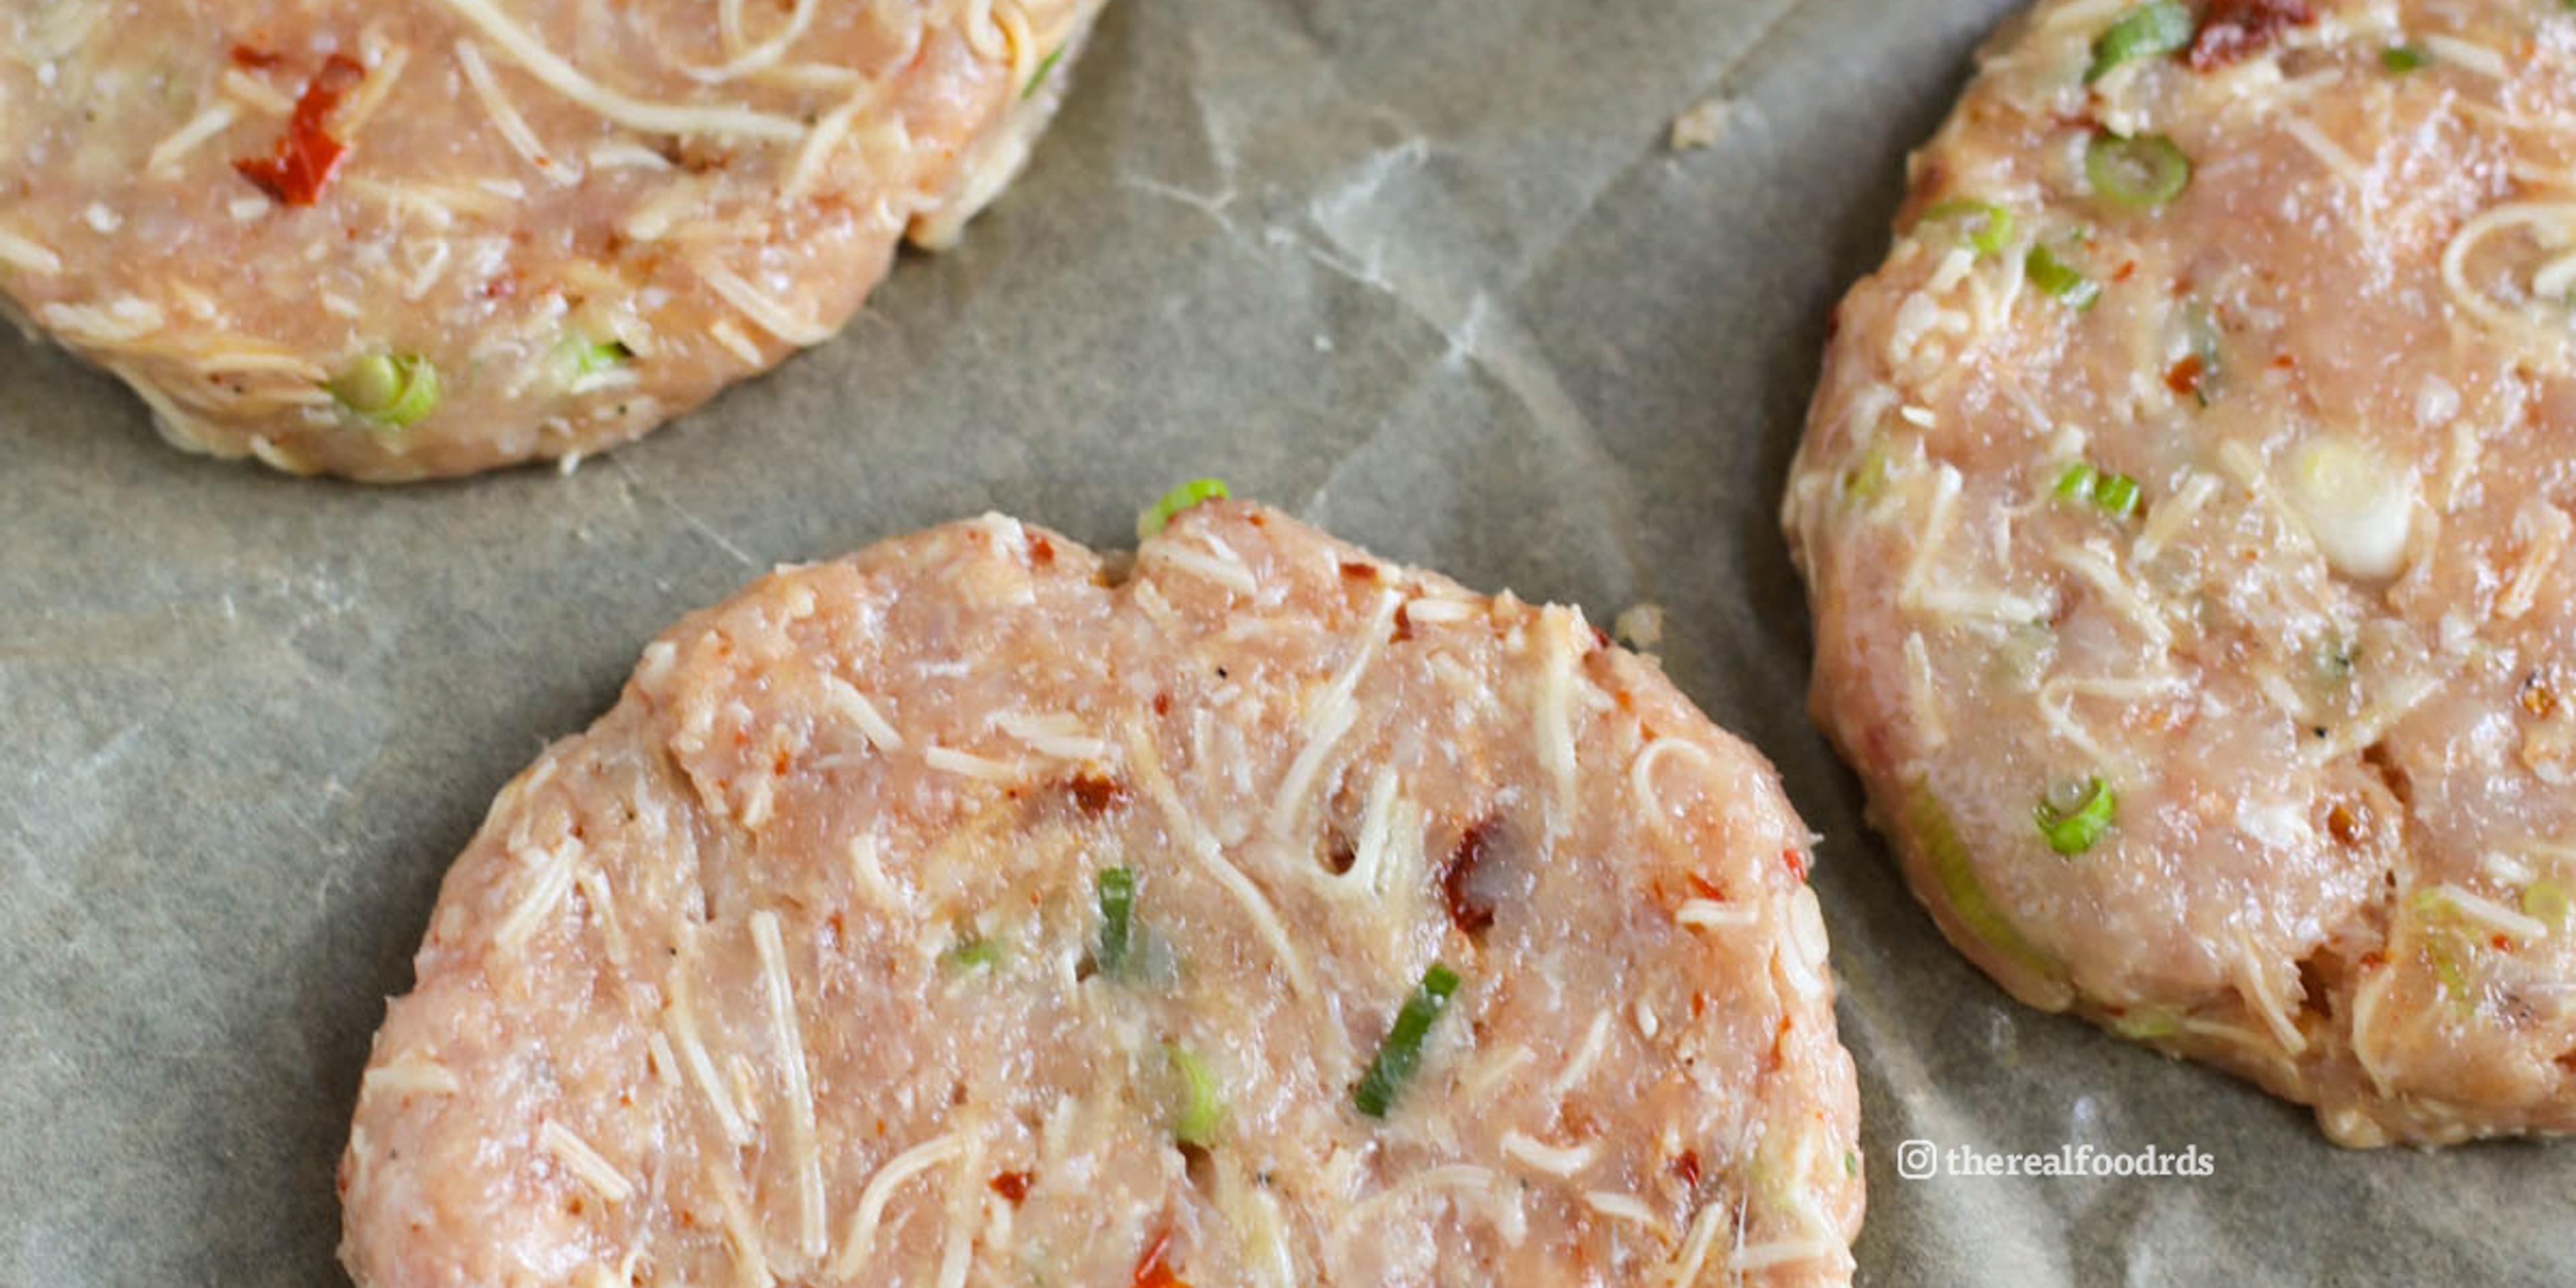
1038 77
1178 499
2074 819
974 952
1955 870
2148 31
2084 484
580 357
1202 1102
2146 1023
2060 280
2546 900
2140 173
1117 919
1401 1052
2117 495
2401 59
392 389
1987 226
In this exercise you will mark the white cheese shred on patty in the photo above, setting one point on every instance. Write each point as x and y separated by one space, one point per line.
1641 773
1555 1160
861 711
781 993
26 256
1331 716
683 1025
165 156
563 78
584 1162
969 765
409 1074
1552 714
764 312
505 117
555 870
880 1190
761 56
1058 734
1202 846
1595 1040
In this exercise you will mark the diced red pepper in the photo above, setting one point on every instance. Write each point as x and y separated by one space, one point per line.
1151 1272
2232 29
307 156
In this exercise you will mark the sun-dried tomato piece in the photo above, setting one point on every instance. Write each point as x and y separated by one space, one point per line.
2232 29
307 156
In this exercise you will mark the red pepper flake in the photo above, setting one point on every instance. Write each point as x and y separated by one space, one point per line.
2232 29
1041 550
1686 1167
2124 272
254 57
1096 794
1706 888
2184 377
307 155
1403 623
1796 862
1468 911
1358 571
1012 1186
1150 1270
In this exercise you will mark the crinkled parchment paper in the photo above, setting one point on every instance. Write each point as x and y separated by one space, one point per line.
1426 271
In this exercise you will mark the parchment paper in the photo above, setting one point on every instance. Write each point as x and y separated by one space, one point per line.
1422 270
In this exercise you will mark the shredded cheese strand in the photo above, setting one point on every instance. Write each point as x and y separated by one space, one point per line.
568 81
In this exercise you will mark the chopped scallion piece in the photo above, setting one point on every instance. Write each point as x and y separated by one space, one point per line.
974 952
580 357
2147 1022
1865 480
2060 280
2083 484
2401 59
2148 31
1401 1052
392 389
1178 499
2075 817
1987 226
2140 173
2546 900
1202 1102
1038 77
2453 976
1955 870
1117 919
2117 495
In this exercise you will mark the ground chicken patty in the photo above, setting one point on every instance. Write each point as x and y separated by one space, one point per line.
956 912
2185 514
396 241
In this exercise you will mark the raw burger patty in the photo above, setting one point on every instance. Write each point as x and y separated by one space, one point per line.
798 964
2185 515
421 238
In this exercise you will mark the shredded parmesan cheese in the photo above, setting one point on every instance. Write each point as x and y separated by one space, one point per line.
870 1213
584 1162
650 118
790 1040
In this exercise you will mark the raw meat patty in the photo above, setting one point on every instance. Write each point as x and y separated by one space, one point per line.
396 241
2185 515
800 965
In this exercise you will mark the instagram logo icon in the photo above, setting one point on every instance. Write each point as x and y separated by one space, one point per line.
1915 1160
